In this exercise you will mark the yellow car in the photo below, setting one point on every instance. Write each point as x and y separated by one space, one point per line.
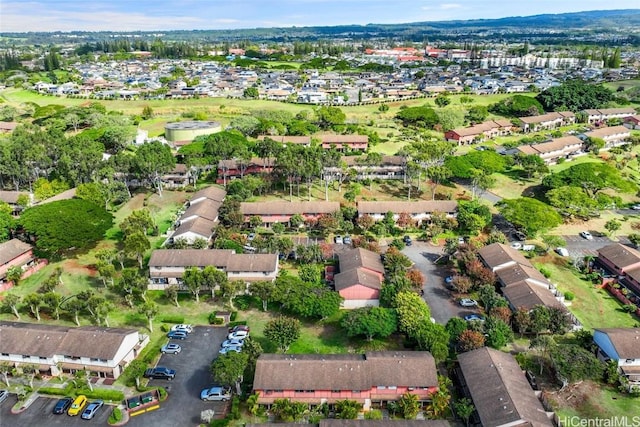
78 405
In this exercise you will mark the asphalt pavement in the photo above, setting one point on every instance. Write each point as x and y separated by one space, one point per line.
438 297
183 406
40 414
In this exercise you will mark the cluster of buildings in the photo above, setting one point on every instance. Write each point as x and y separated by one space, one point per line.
565 147
486 71
521 283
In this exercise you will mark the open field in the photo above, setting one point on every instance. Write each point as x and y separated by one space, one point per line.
594 307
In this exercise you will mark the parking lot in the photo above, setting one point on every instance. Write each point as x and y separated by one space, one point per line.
192 364
40 413
437 296
579 246
182 407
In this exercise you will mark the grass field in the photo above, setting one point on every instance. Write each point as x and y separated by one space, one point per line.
594 307
588 400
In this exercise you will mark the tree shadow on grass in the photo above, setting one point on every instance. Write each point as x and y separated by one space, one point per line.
135 319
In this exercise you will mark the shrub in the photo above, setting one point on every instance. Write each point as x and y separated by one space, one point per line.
164 328
172 319
235 408
545 272
220 423
214 320
243 302
234 316
236 323
569 296
629 308
102 394
162 392
57 391
116 416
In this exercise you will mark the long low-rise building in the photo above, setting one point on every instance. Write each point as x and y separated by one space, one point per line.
566 147
374 377
104 352
167 266
613 136
419 211
282 211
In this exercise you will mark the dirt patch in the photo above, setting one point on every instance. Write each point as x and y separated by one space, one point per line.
581 397
73 266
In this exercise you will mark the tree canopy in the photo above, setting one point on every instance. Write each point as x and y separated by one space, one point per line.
65 225
591 177
517 106
529 214
575 95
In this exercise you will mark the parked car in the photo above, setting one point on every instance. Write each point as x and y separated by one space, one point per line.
473 318
238 335
62 405
562 251
171 348
225 350
177 335
216 393
467 302
92 409
635 207
239 328
182 328
3 395
251 236
161 373
78 405
407 240
516 245
519 235
233 343
346 240
586 235
338 240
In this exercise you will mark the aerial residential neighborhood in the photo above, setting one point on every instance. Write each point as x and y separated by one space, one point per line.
224 222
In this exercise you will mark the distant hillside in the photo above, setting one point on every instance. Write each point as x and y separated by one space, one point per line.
545 28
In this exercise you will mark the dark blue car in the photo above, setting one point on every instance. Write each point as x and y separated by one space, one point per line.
63 405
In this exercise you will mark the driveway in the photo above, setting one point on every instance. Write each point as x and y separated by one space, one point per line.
183 406
437 296
40 413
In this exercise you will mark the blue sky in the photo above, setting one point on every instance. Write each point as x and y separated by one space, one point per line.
148 15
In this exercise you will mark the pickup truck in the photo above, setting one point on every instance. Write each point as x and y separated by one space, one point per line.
160 372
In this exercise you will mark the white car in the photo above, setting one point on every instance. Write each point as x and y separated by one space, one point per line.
225 350
467 302
516 245
562 251
233 343
635 207
182 328
238 335
586 235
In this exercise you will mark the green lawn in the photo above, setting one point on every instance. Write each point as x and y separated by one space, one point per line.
590 401
594 307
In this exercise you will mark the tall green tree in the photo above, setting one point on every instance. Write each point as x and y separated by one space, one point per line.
282 331
228 369
370 321
152 160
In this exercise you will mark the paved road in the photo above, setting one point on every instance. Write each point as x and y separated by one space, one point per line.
580 247
442 305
